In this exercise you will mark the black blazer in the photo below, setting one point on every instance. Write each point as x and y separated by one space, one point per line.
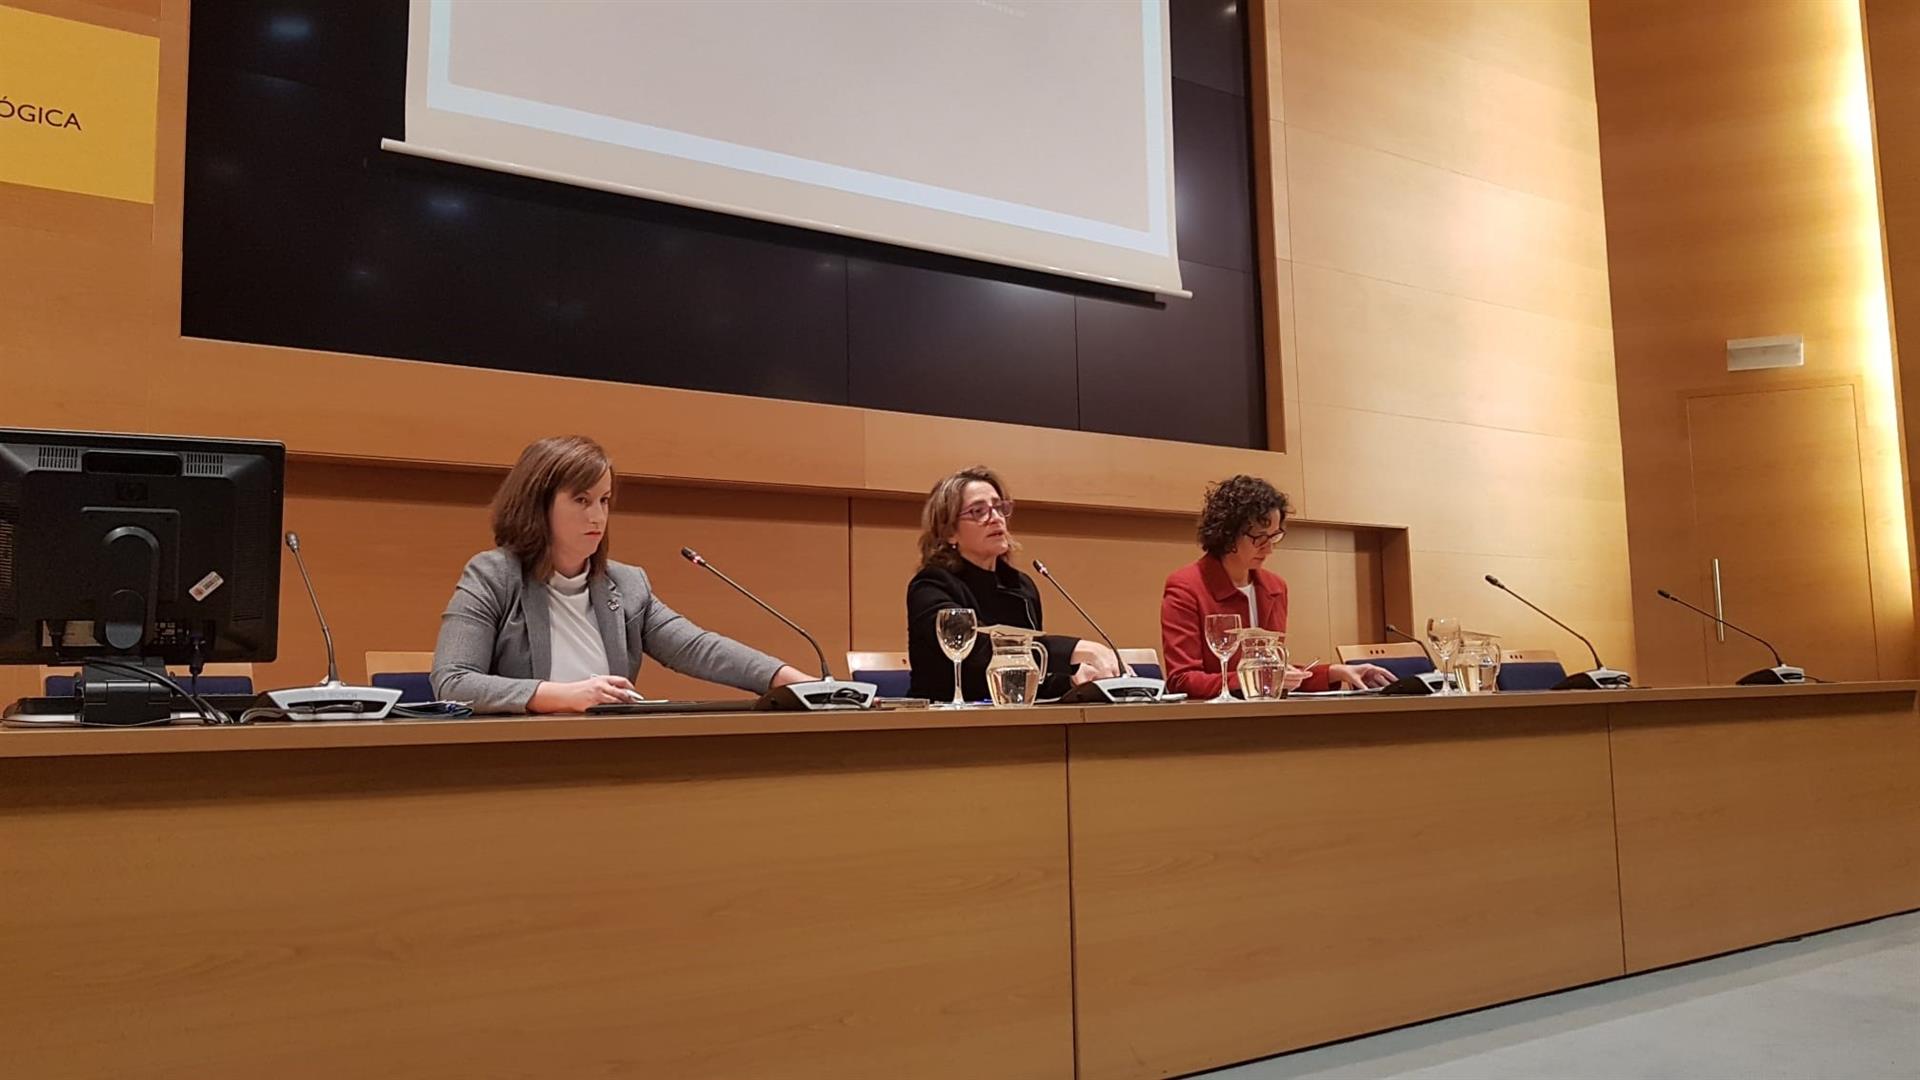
1001 597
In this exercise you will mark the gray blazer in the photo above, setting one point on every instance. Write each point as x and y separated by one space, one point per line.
496 647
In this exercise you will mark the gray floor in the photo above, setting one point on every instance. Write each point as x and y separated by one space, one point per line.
1844 1005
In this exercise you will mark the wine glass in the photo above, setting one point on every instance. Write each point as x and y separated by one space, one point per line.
1444 635
1223 636
954 627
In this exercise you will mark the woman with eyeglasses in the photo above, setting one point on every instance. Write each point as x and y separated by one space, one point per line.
1243 519
965 546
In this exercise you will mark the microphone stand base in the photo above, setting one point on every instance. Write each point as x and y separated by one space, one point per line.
1126 689
335 701
1785 674
1600 678
1420 685
820 695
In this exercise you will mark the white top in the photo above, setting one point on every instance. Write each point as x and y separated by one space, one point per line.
1253 605
578 650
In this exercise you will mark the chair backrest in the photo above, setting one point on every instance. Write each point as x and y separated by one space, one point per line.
1403 658
892 672
407 672
1530 669
1144 662
214 679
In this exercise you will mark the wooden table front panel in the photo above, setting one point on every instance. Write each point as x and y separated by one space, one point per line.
1748 821
1247 886
882 904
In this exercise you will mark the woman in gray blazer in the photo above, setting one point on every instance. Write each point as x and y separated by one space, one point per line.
545 622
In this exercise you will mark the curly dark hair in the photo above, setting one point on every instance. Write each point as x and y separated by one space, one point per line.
1235 505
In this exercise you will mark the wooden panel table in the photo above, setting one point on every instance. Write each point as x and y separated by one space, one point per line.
1253 879
1101 892
876 904
1744 821
1242 887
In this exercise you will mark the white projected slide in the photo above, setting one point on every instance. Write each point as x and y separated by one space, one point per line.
1034 133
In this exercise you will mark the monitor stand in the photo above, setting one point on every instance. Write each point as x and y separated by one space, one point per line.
117 697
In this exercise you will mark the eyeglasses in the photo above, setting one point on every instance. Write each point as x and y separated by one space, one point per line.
1267 539
984 512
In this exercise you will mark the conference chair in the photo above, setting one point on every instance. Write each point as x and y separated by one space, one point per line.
1530 669
223 679
407 672
1144 662
1403 658
890 671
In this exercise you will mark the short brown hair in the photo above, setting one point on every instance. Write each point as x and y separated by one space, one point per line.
1235 505
523 505
941 515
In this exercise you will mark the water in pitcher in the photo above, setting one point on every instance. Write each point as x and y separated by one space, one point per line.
1263 682
1013 684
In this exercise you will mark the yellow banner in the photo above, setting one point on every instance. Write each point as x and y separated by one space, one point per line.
77 106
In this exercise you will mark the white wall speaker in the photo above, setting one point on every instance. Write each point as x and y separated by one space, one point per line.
1755 353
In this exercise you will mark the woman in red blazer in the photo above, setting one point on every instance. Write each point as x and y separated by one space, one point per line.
1243 519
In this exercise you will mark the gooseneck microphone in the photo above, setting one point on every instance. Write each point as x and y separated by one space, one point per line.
333 661
331 699
1425 682
694 557
1601 677
1780 672
1404 636
824 693
1124 687
1041 569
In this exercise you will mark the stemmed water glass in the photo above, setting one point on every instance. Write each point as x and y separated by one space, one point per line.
1444 635
1223 637
955 627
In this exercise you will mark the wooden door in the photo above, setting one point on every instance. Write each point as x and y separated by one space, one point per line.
1777 500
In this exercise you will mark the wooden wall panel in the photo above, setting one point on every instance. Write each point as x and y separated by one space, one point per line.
1572 589
886 904
1485 116
1243 888
1893 39
1539 512
1396 349
1362 210
1740 202
1448 262
1742 822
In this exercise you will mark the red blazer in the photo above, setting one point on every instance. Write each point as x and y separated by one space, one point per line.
1202 589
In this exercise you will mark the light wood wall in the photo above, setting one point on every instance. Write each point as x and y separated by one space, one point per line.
1438 352
1893 39
1740 202
1444 315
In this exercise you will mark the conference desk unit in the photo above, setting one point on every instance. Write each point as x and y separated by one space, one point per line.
1108 892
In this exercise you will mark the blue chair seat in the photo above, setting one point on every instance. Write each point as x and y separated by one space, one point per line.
1531 675
892 682
415 686
1403 666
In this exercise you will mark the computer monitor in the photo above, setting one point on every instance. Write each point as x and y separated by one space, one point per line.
138 547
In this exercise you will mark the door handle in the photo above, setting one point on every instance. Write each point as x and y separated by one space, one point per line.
1719 605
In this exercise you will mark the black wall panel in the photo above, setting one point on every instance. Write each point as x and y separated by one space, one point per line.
301 232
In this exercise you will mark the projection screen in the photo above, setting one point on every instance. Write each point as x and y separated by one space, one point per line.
1031 133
